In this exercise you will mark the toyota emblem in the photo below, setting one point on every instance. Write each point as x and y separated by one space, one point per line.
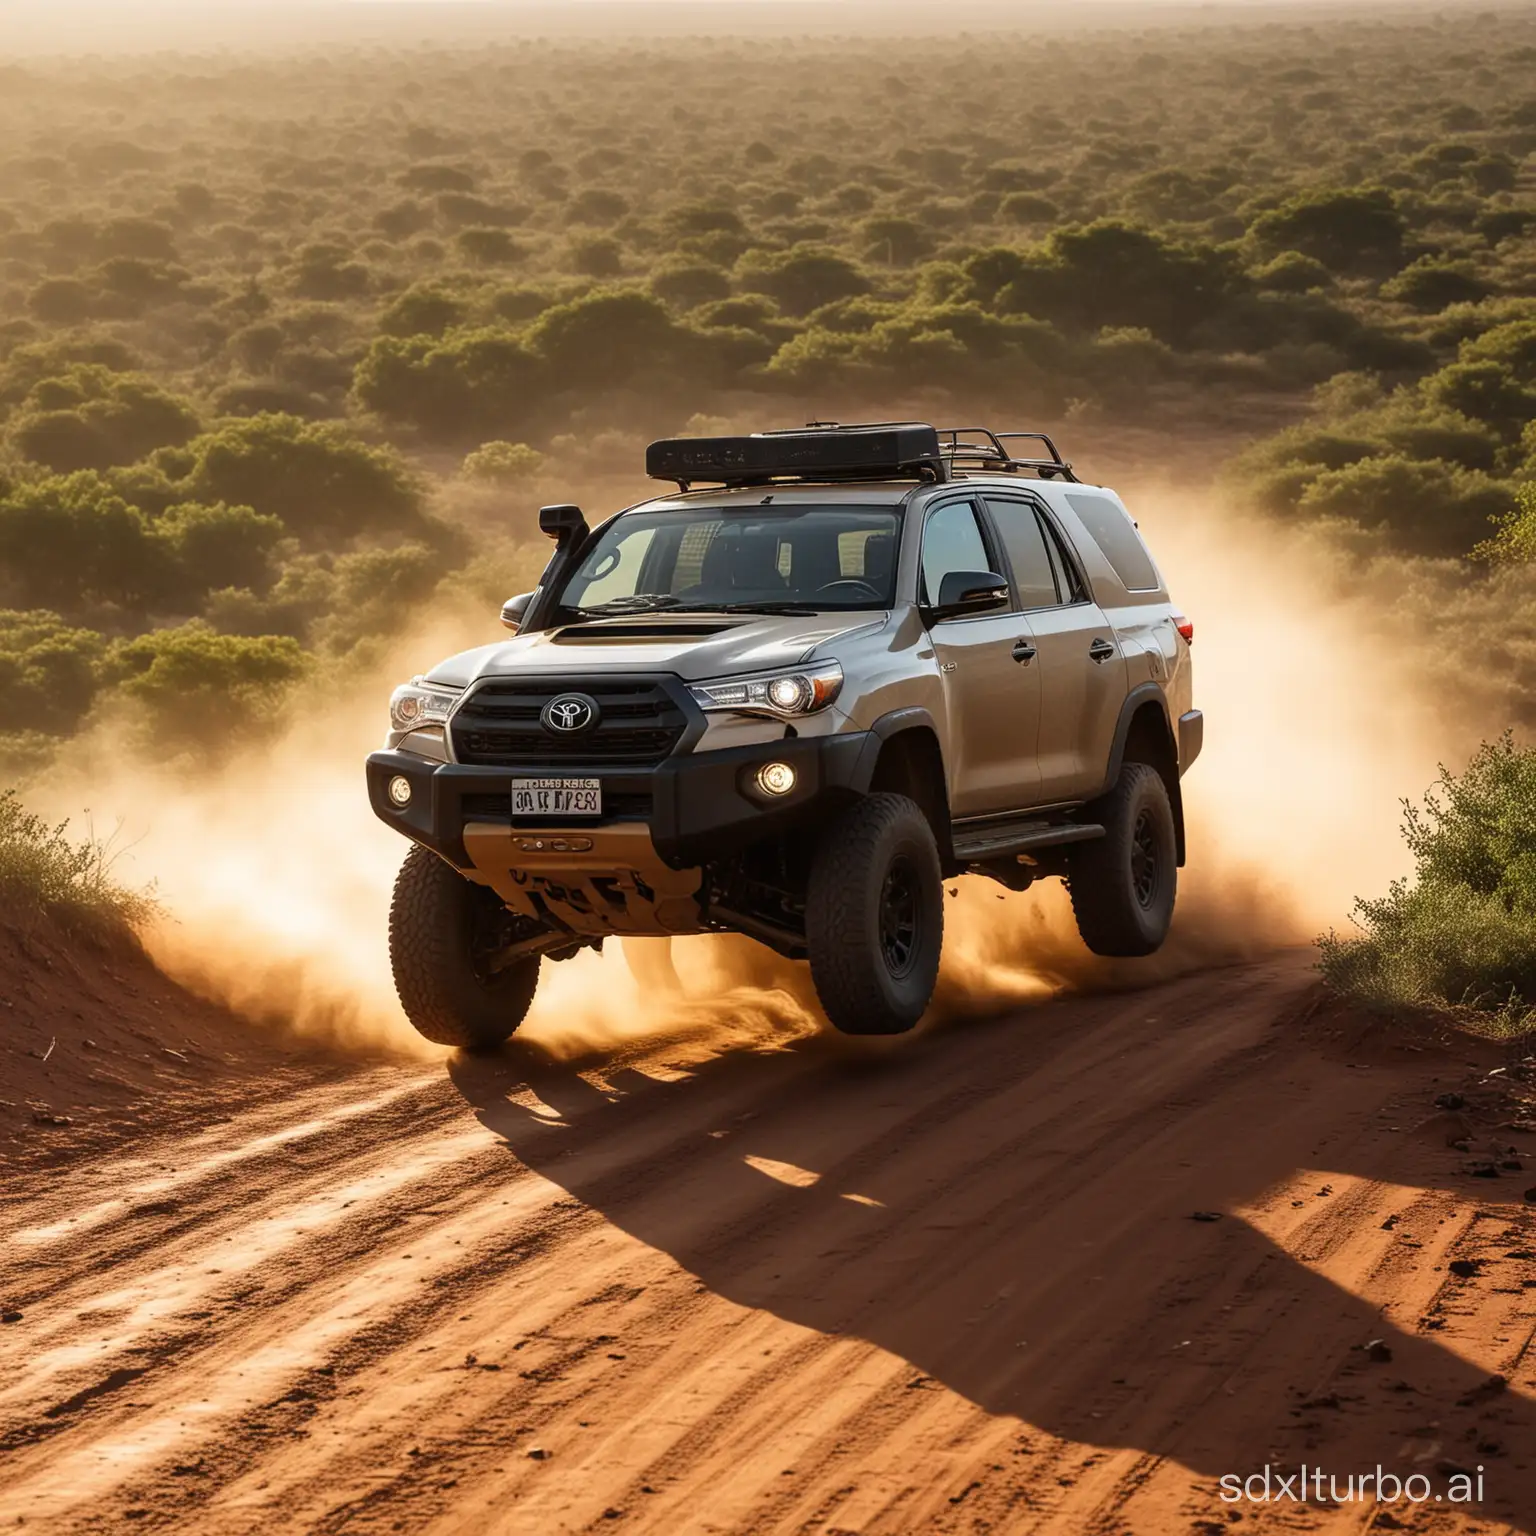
569 712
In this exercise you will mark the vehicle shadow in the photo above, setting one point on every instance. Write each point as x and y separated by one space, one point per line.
1007 1207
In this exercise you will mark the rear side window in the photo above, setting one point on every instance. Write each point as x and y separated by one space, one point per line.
1024 540
1116 536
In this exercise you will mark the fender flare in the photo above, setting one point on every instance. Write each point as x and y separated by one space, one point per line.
1136 700
893 723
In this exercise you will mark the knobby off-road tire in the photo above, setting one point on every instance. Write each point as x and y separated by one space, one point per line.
1123 884
437 921
874 917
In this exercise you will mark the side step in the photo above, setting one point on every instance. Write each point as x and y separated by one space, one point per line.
1020 837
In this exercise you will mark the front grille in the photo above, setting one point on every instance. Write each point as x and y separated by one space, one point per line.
499 723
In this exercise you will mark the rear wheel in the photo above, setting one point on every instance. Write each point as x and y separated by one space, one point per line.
448 939
1123 884
874 917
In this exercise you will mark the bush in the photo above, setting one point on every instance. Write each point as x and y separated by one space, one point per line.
1486 391
502 463
424 310
50 668
71 540
192 687
688 284
1432 285
43 868
91 418
1514 539
469 385
1462 933
1291 272
1359 230
220 546
1429 507
802 278
320 481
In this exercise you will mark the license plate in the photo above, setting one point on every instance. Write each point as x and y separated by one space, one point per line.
557 797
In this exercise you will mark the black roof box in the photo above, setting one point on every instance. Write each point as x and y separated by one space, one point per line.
878 451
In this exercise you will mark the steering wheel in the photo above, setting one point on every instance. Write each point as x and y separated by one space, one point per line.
865 589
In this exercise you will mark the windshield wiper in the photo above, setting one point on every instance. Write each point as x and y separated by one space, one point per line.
640 602
769 608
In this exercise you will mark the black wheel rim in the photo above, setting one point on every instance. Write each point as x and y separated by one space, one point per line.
1145 864
901 909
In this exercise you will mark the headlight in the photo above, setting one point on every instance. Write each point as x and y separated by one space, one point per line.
419 703
780 694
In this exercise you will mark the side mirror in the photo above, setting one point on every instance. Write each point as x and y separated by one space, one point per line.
513 609
967 592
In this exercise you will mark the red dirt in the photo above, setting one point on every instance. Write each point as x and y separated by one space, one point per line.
957 1288
97 1045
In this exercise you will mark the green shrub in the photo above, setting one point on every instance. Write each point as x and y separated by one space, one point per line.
322 482
1355 230
463 388
1462 932
43 868
1514 539
192 687
1431 285
802 278
687 284
72 540
89 417
51 668
220 546
423 310
1291 272
502 463
1428 506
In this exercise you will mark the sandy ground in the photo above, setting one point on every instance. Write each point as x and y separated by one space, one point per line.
956 1287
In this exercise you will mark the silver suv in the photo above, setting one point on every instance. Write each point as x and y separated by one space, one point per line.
837 667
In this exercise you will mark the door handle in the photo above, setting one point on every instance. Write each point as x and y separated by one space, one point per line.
1101 650
1024 651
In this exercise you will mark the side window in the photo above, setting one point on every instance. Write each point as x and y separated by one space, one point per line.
1068 582
951 542
1116 535
1024 540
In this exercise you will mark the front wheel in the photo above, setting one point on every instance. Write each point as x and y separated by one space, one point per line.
446 938
1123 884
874 917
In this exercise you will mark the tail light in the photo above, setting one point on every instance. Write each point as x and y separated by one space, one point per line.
1185 627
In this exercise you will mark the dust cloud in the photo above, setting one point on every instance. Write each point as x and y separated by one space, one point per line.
275 875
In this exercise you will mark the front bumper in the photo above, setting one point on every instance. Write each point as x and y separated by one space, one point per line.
698 806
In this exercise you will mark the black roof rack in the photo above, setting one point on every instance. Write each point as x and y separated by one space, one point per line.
870 450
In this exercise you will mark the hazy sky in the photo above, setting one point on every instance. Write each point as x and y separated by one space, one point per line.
85 26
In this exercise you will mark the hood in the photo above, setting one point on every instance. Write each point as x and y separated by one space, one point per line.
694 646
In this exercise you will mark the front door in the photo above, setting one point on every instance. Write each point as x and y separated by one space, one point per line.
991 693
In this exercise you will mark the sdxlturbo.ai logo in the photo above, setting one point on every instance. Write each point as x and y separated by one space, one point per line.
1312 1485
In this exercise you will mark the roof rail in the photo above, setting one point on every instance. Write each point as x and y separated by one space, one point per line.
990 454
824 451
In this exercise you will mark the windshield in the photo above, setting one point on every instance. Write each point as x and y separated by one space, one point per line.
717 559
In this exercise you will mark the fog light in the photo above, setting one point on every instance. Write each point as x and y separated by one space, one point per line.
400 791
775 778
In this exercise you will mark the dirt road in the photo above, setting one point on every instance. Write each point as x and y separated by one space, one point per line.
955 1287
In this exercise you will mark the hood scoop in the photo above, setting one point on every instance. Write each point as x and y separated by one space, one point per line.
628 634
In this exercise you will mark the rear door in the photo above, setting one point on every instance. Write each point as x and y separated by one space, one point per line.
1082 673
992 697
